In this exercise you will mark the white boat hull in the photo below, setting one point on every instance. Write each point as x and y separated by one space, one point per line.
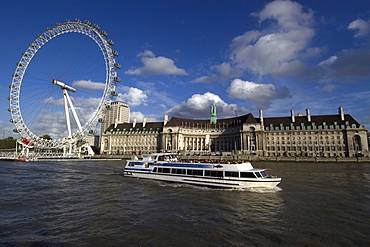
211 182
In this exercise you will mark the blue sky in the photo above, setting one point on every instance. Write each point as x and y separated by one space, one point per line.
179 56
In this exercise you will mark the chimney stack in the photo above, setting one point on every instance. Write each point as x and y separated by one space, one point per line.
165 119
144 121
134 123
293 117
341 113
116 123
308 112
261 117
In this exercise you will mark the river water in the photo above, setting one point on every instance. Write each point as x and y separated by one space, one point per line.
90 204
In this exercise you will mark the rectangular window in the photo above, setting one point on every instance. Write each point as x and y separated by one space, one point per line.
178 171
166 170
218 174
258 174
231 174
195 172
247 175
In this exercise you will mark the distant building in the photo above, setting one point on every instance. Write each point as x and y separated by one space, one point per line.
116 113
337 135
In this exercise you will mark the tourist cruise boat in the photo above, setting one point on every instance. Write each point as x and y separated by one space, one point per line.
166 167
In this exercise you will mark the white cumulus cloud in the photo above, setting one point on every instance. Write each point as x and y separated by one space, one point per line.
153 65
51 100
347 63
224 71
132 96
259 94
89 85
362 27
198 106
271 50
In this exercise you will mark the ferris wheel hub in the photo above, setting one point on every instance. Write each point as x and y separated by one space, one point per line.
63 85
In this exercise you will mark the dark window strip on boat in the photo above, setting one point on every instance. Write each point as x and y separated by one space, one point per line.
231 174
208 173
247 175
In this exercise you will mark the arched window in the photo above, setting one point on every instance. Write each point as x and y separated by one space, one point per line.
357 143
252 139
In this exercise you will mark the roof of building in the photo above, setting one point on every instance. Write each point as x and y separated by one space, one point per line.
317 120
138 126
235 121
176 121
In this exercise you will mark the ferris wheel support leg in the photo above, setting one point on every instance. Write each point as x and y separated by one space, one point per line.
74 113
67 113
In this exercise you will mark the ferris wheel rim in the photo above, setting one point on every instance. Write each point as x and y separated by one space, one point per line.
99 37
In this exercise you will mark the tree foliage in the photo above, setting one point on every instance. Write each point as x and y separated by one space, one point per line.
47 137
7 143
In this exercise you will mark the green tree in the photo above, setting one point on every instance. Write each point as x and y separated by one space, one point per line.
47 137
7 143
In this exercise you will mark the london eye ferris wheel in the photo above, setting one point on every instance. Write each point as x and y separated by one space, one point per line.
63 83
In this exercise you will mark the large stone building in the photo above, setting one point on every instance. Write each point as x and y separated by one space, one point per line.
337 135
116 112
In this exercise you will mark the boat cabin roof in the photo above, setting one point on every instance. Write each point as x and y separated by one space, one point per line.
160 156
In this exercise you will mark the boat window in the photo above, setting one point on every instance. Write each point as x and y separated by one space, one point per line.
247 175
195 172
209 173
155 169
258 174
131 164
264 174
178 171
164 170
231 174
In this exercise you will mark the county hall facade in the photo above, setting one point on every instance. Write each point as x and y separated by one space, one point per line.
338 135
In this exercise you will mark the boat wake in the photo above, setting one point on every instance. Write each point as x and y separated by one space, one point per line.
255 190
264 190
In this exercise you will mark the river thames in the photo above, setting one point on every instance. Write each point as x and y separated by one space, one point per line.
90 204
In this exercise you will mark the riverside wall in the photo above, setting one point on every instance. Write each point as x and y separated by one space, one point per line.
229 158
